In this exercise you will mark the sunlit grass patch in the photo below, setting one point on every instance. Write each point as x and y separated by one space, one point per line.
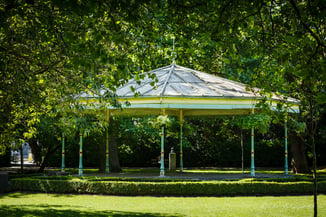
25 204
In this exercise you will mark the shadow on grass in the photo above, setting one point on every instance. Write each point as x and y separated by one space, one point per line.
24 194
64 211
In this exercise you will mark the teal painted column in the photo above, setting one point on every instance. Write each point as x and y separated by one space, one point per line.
107 152
162 172
286 165
181 149
80 171
63 153
252 166
181 140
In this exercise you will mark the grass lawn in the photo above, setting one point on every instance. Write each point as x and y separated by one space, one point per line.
25 204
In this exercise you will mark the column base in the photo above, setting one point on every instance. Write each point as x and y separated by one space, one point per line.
162 173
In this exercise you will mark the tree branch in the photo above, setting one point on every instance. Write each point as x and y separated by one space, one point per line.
314 54
314 35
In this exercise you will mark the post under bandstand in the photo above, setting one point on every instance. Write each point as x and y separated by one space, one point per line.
179 91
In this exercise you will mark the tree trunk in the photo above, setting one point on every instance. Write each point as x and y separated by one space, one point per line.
36 150
114 155
43 164
48 154
314 175
299 161
102 155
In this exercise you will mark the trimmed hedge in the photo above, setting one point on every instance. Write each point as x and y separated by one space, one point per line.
178 188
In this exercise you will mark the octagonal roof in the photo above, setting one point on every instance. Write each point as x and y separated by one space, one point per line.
177 81
174 88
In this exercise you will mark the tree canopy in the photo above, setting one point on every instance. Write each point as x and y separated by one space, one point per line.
52 50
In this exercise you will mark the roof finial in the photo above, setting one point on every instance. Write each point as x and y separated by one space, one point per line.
173 54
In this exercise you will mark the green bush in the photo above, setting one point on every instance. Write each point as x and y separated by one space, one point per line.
184 188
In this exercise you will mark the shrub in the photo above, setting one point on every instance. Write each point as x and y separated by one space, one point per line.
182 188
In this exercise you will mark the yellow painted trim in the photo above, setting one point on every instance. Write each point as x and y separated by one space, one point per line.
176 112
188 100
216 112
150 100
188 103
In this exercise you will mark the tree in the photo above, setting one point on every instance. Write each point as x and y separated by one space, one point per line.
52 50
46 141
278 46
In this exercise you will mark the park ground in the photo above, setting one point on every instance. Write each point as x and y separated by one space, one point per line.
42 204
30 204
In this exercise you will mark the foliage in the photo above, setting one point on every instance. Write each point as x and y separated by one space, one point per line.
189 188
138 139
206 142
257 121
53 50
68 125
